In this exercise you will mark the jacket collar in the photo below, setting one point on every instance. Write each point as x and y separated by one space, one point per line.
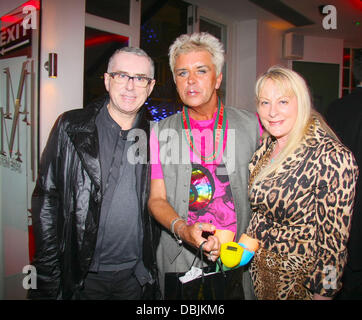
314 134
85 121
83 133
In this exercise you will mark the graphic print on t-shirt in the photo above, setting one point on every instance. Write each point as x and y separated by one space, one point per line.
210 198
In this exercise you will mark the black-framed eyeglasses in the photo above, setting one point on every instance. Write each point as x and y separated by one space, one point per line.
123 78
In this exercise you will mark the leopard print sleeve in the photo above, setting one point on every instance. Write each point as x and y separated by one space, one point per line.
334 195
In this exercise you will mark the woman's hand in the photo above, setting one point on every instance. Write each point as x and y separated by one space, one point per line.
317 296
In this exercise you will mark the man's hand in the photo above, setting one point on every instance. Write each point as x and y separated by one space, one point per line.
192 234
164 213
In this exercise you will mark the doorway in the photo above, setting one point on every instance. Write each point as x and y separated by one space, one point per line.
98 47
323 82
110 25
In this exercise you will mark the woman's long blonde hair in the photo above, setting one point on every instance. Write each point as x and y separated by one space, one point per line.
290 83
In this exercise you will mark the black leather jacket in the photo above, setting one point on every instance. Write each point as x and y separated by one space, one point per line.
66 206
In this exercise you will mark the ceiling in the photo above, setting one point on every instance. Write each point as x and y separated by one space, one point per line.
349 16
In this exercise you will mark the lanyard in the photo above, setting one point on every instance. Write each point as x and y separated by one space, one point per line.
218 132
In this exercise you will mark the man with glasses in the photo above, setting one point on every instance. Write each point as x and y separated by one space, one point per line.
94 236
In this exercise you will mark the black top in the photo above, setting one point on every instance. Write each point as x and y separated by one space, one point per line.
119 241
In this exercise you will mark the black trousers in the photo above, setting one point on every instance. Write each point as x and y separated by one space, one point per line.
111 285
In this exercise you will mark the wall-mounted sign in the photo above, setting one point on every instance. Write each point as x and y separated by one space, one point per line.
14 37
11 143
17 28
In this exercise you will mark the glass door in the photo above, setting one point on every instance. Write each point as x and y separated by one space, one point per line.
200 20
162 22
110 25
98 47
18 143
16 183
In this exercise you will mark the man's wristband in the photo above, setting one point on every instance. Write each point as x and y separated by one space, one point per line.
178 239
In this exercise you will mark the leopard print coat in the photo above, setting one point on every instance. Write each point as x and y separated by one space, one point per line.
301 215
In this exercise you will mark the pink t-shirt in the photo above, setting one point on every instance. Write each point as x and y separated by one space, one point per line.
210 199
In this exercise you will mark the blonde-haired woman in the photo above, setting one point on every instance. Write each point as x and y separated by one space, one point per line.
301 191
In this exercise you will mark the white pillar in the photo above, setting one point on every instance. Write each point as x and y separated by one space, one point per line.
62 32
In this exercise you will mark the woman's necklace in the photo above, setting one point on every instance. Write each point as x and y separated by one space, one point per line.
218 132
263 161
275 150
